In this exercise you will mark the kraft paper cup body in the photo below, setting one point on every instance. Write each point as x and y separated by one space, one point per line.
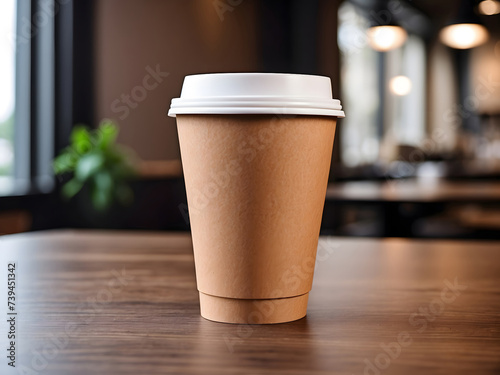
256 186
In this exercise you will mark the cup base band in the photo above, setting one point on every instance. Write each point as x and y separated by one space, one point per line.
253 311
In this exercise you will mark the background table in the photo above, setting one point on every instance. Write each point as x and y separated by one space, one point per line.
126 303
415 191
424 207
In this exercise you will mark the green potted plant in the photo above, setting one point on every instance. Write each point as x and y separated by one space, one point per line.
97 165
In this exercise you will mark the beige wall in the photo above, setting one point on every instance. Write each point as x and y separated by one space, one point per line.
180 37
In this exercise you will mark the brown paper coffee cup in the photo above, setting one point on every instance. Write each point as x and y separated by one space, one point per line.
256 186
256 150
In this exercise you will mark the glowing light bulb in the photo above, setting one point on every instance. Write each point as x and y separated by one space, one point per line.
464 35
385 38
489 7
400 85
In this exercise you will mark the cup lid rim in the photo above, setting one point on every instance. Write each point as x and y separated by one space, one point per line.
254 92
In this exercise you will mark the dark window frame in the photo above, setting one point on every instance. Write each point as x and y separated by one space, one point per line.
54 91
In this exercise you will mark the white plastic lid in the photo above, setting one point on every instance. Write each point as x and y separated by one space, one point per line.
256 93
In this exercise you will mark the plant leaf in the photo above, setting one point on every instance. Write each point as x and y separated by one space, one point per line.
71 188
100 200
64 163
100 163
88 165
102 196
106 134
81 139
103 181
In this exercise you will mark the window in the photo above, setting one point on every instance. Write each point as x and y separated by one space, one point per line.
383 93
360 95
405 72
7 90
27 95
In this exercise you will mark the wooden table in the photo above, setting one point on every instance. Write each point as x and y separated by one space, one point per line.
92 302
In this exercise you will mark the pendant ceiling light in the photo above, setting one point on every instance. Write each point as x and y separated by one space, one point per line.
400 85
384 34
466 31
489 7
386 37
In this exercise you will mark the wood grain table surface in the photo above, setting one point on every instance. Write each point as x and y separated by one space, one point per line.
99 302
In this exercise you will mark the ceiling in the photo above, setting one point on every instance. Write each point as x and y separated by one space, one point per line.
439 12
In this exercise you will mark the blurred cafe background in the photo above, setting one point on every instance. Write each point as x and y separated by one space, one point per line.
417 155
